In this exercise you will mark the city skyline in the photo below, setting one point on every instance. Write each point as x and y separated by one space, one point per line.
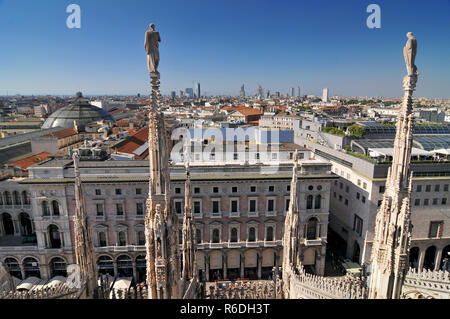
222 52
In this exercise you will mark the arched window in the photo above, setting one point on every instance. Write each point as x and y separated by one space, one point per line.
45 208
58 267
55 207
16 198
122 239
198 236
102 239
309 202
317 202
8 225
312 228
25 198
54 236
26 226
105 265
414 257
234 235
252 234
215 235
31 267
13 267
124 266
430 256
141 237
7 196
269 233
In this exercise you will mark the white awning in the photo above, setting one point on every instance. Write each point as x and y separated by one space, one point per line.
444 151
28 283
376 152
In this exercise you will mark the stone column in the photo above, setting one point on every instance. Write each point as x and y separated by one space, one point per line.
115 268
259 261
242 264
22 271
207 266
421 258
318 230
16 227
224 262
134 269
438 259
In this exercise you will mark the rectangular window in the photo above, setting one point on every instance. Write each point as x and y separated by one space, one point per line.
235 156
341 185
446 188
444 201
363 199
274 156
435 201
346 202
382 189
234 189
428 188
196 190
178 207
347 189
271 188
425 202
215 189
358 195
365 185
287 202
197 207
118 191
359 182
435 229
301 155
119 209
288 188
419 188
139 209
216 206
252 189
437 188
340 198
417 202
270 205
177 190
257 156
99 209
357 225
234 206
252 207
138 191
98 192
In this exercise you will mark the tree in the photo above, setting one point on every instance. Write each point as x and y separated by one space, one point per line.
356 131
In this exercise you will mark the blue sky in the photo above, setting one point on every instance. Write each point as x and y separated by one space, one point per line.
223 44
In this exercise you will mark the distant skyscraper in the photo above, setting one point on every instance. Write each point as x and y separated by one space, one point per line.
198 90
298 92
181 93
190 92
242 93
325 96
139 95
268 94
173 94
260 91
292 92
277 94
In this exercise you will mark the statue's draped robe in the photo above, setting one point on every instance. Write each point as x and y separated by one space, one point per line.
152 40
409 52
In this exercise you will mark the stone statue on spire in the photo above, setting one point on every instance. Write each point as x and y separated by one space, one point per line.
152 39
409 53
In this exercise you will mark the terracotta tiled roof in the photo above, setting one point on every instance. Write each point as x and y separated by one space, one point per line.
28 161
135 141
63 133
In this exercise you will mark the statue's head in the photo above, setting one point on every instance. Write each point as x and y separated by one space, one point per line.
410 35
152 26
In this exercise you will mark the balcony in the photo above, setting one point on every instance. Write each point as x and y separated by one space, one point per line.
119 217
252 244
234 214
273 243
271 213
312 242
235 244
216 215
253 214
100 218
216 245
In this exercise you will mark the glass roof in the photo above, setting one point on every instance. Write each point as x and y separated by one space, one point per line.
81 111
377 128
424 142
